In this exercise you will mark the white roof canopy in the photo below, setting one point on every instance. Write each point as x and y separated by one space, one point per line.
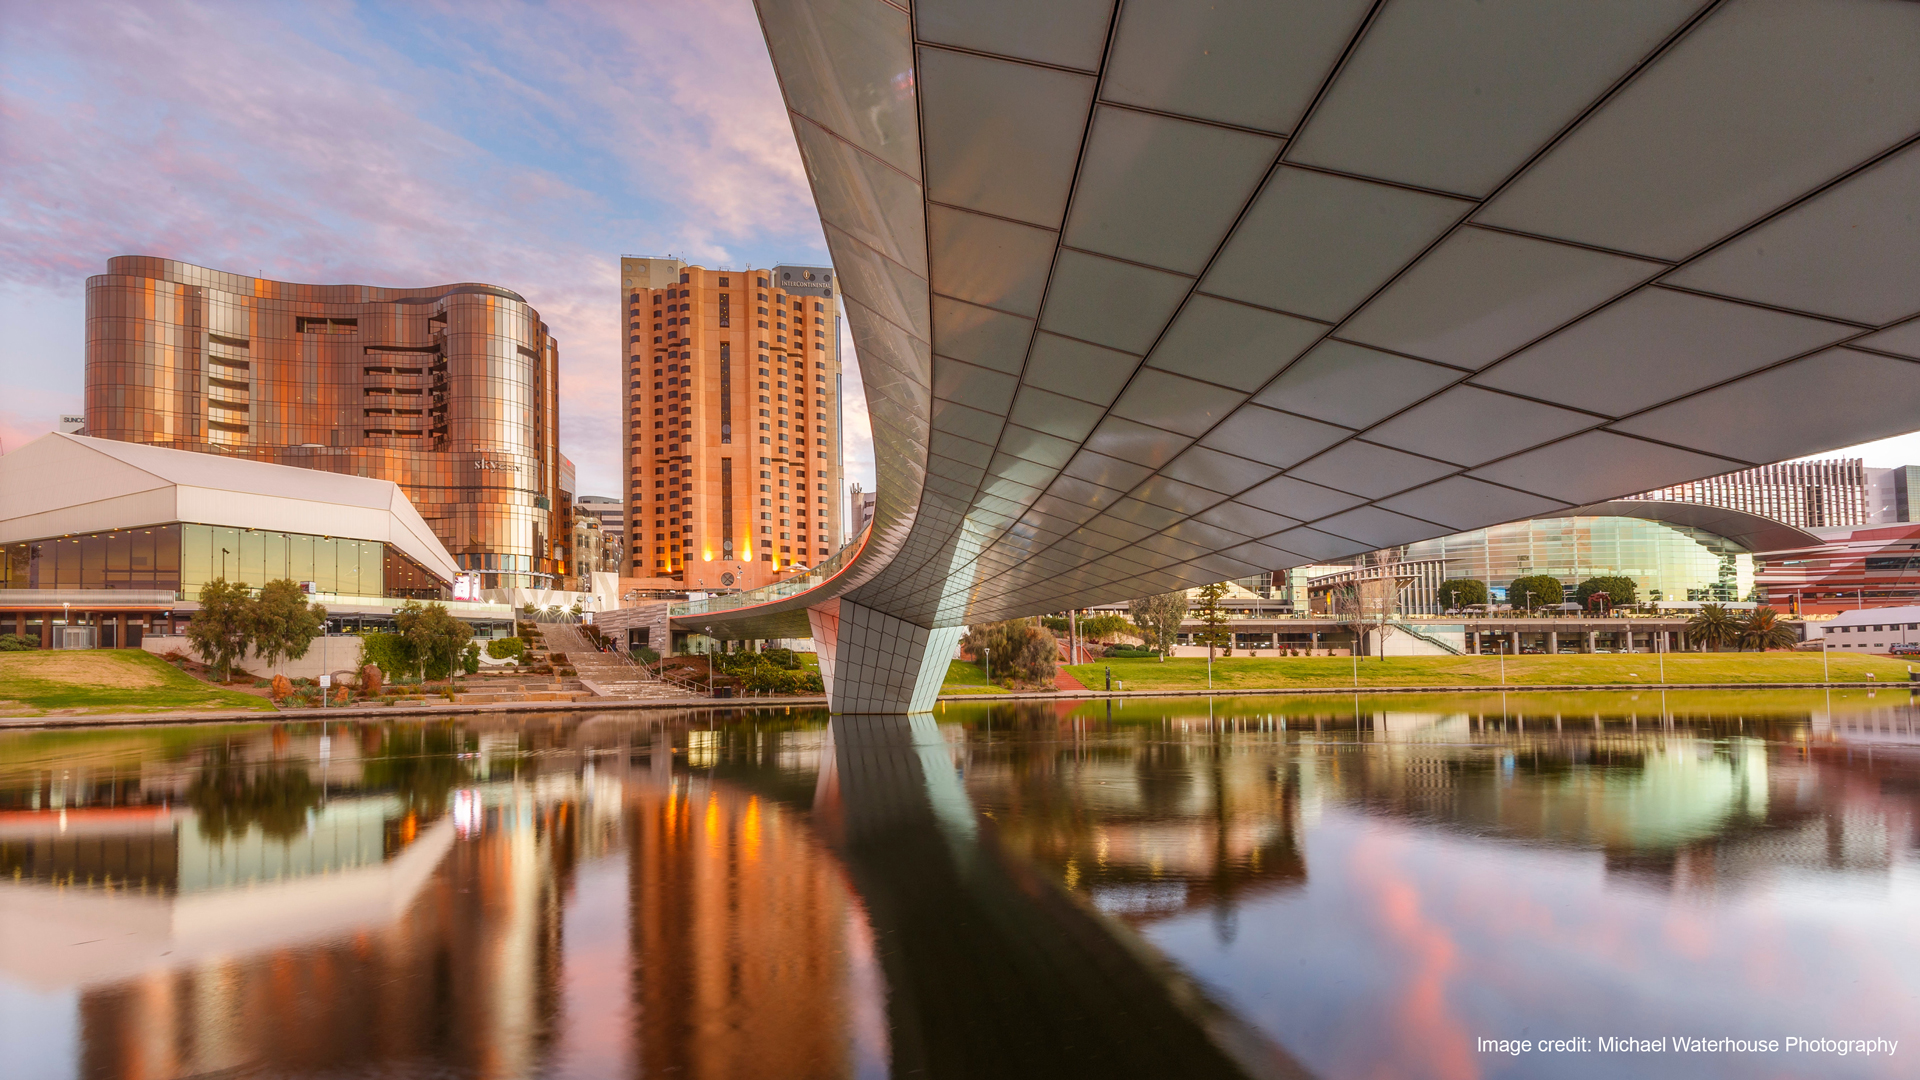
68 484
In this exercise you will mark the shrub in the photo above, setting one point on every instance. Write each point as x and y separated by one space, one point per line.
772 680
1105 626
507 648
646 655
390 654
1022 650
17 643
470 659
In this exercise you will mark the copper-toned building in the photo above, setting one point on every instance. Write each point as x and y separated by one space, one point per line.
733 426
449 391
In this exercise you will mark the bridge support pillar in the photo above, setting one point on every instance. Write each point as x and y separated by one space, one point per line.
875 663
1553 642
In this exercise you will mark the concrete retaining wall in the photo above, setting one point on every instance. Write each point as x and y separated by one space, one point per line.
335 652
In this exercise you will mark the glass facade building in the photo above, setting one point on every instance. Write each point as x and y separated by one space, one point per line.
451 392
1669 562
180 558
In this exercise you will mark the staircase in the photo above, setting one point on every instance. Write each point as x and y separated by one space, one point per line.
1422 635
609 674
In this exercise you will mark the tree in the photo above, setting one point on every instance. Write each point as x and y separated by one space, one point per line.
1214 619
1461 592
390 654
1104 627
1023 650
1620 590
1713 626
435 636
219 629
1763 630
1535 591
1158 618
1367 607
283 625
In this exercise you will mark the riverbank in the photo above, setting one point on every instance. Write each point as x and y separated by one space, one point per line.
1568 670
112 681
161 698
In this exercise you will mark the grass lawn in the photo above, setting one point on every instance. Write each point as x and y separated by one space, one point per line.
106 680
967 678
1250 673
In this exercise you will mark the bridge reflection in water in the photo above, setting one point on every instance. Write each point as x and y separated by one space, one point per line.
1187 888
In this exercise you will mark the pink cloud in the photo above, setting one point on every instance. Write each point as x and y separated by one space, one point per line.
523 146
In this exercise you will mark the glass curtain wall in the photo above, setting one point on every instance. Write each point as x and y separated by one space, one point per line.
181 558
1668 562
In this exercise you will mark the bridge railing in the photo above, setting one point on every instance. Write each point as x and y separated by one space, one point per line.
815 577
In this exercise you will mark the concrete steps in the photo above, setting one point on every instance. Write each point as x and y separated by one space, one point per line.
610 675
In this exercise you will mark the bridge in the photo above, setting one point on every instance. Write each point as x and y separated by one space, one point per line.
1154 294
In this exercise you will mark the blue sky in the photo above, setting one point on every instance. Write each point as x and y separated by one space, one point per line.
524 145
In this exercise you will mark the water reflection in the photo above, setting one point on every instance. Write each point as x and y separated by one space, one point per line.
1266 886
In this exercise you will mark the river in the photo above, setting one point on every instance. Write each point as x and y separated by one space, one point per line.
1444 885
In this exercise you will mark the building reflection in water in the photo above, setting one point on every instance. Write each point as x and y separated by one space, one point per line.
453 902
1165 888
1735 864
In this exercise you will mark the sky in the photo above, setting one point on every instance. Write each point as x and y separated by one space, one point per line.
523 145
527 146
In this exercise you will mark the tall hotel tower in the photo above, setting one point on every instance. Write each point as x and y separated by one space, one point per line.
448 391
733 422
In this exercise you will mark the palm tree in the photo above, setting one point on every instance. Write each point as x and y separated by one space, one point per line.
1714 626
1763 630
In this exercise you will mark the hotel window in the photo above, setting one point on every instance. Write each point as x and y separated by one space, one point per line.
306 325
726 391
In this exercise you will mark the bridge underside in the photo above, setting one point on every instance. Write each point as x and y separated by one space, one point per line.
1157 294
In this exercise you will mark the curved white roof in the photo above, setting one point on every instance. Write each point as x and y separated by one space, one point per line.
63 484
1156 294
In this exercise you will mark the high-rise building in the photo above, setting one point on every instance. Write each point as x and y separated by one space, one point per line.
1809 494
449 391
733 423
861 504
611 513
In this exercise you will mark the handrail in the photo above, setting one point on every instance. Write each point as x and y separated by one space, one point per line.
1430 639
814 578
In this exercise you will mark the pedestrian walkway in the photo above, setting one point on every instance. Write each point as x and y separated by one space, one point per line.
608 674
